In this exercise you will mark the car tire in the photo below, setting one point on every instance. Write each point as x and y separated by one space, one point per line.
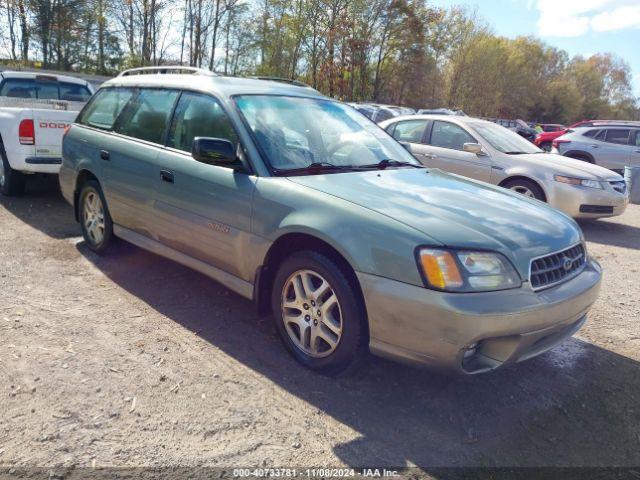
527 188
330 312
95 220
12 182
546 146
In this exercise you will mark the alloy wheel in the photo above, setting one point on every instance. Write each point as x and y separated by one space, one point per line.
311 313
523 191
93 217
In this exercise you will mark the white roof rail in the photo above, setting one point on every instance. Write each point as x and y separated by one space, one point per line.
166 69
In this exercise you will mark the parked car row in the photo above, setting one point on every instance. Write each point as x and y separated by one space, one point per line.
485 151
335 229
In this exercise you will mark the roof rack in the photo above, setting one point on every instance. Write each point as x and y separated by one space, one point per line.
176 69
290 81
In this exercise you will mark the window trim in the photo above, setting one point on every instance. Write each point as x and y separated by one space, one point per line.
475 140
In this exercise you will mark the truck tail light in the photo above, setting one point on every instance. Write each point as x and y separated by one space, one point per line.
27 132
556 142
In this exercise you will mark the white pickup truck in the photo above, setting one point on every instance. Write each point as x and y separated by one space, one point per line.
35 110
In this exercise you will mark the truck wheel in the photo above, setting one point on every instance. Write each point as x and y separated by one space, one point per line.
95 221
526 188
12 182
318 314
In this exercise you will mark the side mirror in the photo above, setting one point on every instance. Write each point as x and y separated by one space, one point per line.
214 151
473 148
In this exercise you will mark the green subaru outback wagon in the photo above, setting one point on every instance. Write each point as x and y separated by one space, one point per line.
303 205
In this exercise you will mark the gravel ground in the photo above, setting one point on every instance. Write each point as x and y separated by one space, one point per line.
132 360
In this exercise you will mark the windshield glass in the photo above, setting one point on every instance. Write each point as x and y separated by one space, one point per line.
503 139
297 132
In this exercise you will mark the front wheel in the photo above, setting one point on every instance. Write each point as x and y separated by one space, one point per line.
318 314
12 182
526 188
95 221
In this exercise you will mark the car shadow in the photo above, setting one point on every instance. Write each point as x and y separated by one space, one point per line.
610 232
41 201
576 405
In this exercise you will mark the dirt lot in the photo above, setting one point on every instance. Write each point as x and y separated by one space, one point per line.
132 360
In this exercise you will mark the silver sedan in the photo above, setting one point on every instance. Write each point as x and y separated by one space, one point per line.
485 151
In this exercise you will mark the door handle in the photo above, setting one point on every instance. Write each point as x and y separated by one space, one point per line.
166 176
104 155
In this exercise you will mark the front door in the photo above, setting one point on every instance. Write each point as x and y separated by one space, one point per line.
202 210
446 141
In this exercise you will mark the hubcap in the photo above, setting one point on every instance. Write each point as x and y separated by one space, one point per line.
311 313
93 217
523 191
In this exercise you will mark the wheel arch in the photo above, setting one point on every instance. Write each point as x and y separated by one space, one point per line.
580 155
290 243
513 177
83 176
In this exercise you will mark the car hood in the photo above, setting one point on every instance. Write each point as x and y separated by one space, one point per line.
455 211
567 166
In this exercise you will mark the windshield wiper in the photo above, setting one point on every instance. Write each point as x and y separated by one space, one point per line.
387 162
315 167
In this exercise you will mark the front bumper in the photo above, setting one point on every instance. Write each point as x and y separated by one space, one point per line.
417 325
585 202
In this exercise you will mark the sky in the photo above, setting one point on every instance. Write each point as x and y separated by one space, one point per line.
580 27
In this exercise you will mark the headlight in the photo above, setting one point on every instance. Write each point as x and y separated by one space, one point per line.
466 271
577 181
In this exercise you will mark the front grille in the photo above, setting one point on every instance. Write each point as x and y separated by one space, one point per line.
619 186
595 209
558 267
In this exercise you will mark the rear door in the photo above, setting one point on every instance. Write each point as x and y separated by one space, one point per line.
613 148
446 142
413 132
202 210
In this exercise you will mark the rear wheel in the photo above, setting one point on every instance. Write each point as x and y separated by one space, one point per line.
95 221
317 313
526 188
580 156
12 182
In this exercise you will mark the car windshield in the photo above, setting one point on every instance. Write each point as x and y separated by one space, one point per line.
503 139
300 132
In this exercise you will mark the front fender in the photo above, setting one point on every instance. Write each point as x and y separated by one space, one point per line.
372 243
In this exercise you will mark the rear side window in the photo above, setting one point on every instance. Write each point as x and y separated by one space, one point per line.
199 116
618 135
73 92
105 107
411 131
146 117
590 133
448 135
30 88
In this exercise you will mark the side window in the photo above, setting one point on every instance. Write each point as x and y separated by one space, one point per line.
74 92
637 134
105 107
448 135
591 133
618 135
600 135
410 131
146 117
199 115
